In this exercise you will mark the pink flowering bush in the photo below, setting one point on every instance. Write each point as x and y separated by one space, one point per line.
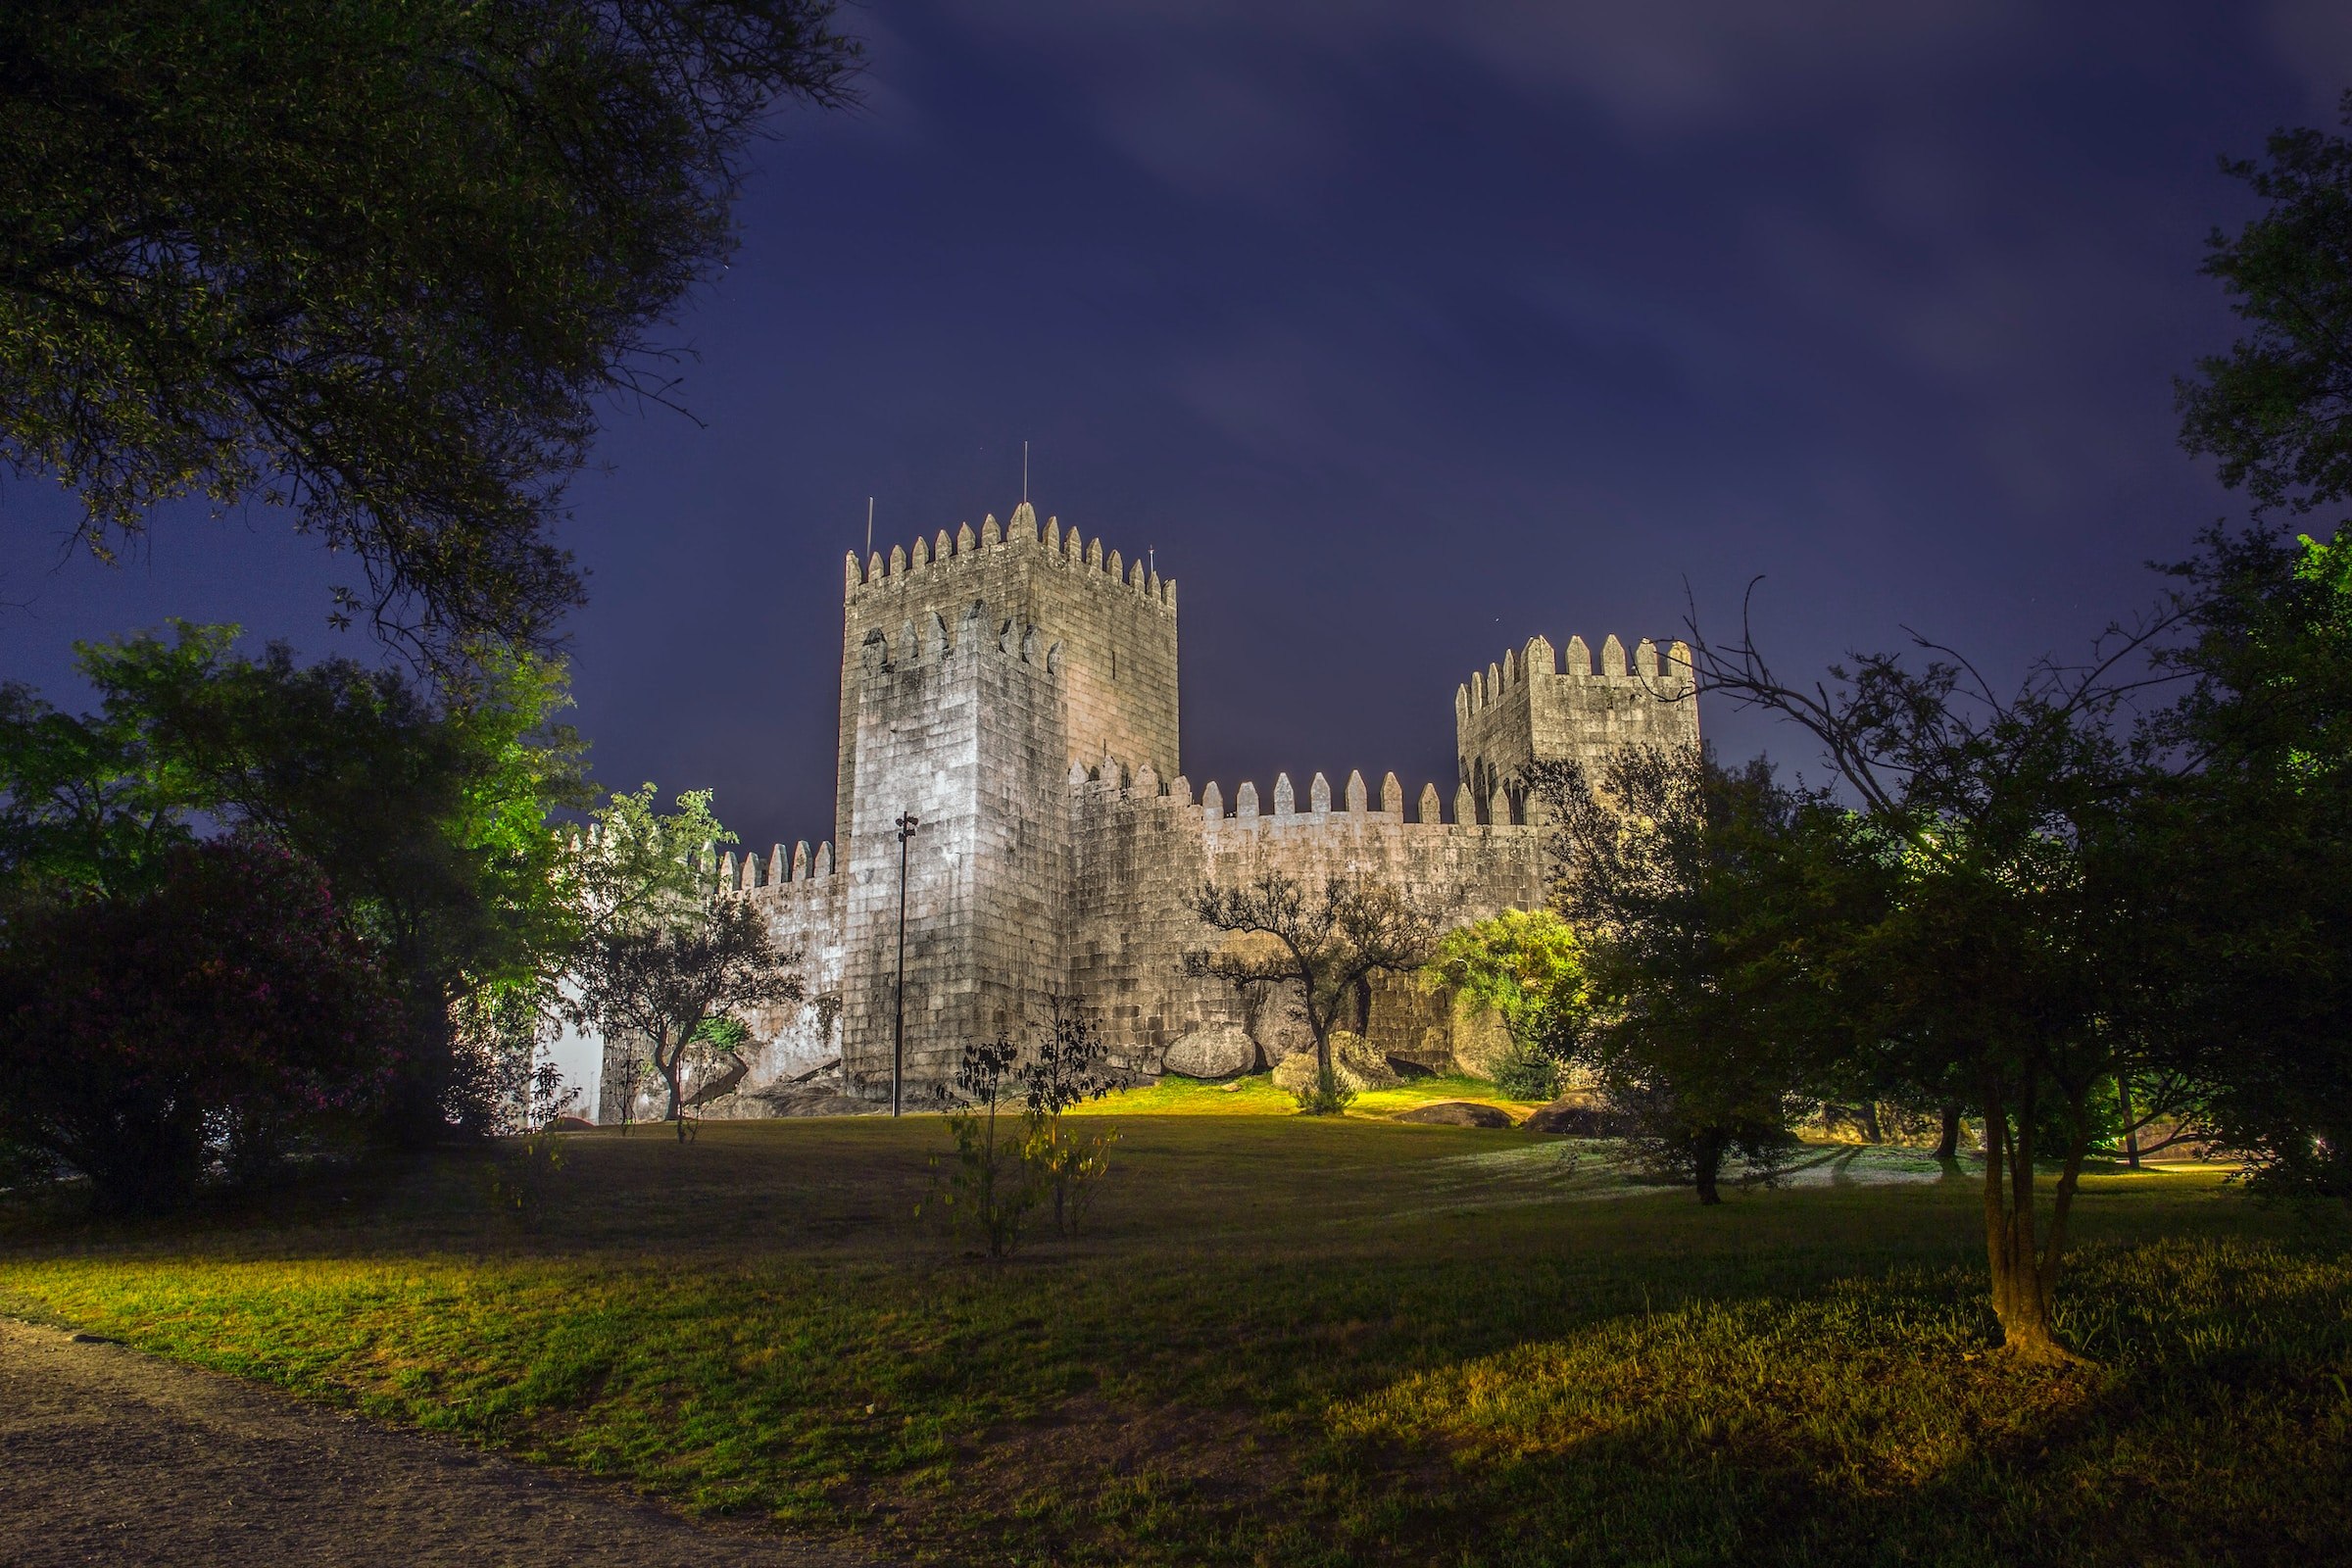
219 1014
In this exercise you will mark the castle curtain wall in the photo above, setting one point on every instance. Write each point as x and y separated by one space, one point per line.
1141 857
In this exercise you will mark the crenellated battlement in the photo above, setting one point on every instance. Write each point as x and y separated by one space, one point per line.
1664 676
1531 706
779 869
1109 785
967 553
1098 631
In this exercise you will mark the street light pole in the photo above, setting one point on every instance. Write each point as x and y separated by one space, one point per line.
898 1041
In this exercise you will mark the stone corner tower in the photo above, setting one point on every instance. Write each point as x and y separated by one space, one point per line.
1529 708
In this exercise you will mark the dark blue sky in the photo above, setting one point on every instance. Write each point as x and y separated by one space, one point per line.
1401 333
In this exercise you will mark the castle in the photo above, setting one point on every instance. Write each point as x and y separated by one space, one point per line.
1014 690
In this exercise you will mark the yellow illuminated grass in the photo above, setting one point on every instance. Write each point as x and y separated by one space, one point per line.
1295 1341
1256 1096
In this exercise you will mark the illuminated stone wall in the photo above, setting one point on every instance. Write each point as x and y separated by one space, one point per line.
1139 853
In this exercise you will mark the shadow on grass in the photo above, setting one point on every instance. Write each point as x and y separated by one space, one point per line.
1867 1425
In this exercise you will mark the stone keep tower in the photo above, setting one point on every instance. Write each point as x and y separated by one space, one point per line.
978 671
1527 708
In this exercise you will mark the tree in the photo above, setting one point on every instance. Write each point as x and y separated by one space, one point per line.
91 803
376 262
1527 964
2262 829
429 813
1717 905
2163 1097
669 982
2259 841
1328 942
221 1009
668 957
2026 946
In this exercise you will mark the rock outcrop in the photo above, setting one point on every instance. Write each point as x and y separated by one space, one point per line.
1482 1041
1576 1116
1217 1052
1353 1062
1457 1113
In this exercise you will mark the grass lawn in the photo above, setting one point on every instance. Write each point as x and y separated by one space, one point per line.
1294 1342
1256 1096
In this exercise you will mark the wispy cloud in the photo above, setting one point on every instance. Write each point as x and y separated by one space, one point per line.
1249 98
2314 42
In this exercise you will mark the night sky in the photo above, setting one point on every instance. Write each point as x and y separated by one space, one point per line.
1400 333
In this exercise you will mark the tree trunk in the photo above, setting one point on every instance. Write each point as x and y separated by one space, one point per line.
2023 1271
2123 1093
1326 1077
672 1065
1707 1158
1872 1133
1947 1141
2009 1229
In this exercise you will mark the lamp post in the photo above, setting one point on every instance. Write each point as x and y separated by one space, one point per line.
898 1039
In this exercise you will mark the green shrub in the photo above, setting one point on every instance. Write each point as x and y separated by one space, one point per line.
1325 1097
520 1178
1528 1072
990 1187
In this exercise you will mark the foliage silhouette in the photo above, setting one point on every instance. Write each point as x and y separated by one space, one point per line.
374 262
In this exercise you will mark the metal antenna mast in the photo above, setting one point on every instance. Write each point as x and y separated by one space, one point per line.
870 526
1024 471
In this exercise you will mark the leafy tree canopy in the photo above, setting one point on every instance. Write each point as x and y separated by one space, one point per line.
1526 963
374 262
2025 950
2277 410
646 868
89 806
1328 940
2258 835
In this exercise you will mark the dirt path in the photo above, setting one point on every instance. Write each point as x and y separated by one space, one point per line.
109 1457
